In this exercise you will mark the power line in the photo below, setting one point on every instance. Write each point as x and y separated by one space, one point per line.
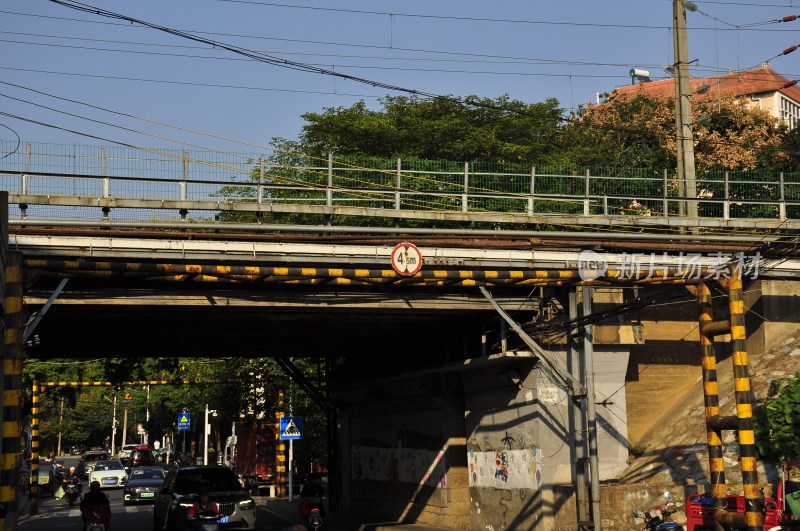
356 67
484 58
71 19
189 83
463 18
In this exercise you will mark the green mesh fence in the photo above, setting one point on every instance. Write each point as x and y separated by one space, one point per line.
381 183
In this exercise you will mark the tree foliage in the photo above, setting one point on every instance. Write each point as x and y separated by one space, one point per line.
778 421
639 130
247 391
438 128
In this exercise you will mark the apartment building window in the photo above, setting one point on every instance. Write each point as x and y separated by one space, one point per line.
790 113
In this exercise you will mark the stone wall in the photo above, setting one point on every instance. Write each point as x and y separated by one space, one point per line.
405 460
617 503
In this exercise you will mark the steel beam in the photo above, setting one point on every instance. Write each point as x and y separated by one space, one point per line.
31 326
552 362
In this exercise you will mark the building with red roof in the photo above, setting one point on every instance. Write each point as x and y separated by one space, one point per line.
762 87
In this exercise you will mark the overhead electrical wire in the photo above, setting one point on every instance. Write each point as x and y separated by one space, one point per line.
463 18
295 65
492 59
190 83
356 67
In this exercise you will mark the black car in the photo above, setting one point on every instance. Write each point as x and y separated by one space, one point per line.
180 491
144 484
88 459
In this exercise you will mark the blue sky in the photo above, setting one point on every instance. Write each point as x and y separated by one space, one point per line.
532 50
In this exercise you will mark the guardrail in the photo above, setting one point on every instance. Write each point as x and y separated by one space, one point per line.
183 184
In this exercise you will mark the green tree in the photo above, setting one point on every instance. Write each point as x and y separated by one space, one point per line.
499 129
777 421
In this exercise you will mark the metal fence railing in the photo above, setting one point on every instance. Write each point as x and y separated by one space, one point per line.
203 179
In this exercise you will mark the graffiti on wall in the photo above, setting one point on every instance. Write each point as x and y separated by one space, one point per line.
506 469
407 465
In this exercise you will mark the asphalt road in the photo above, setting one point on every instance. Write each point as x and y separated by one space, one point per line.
58 515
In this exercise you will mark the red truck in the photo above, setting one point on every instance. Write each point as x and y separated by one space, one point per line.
250 453
778 509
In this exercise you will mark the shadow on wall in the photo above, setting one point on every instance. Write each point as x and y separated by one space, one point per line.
670 465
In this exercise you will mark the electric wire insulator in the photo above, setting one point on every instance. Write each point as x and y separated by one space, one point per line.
789 50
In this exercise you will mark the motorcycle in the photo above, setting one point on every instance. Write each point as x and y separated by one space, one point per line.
95 517
94 522
72 491
209 521
315 519
654 522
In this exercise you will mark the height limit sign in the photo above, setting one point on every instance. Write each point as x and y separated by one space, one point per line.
406 259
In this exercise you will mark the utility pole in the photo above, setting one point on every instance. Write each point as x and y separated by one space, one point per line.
60 426
147 418
687 184
124 428
114 428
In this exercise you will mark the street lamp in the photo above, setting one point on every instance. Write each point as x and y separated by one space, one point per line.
206 428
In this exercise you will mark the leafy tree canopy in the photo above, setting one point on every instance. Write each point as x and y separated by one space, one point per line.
438 128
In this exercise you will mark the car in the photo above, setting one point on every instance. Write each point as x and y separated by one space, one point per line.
126 450
109 474
141 456
144 484
180 492
88 460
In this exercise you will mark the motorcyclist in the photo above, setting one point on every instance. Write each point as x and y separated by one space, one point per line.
95 506
313 492
202 505
72 477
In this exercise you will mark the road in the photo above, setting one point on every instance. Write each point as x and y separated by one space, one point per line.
57 515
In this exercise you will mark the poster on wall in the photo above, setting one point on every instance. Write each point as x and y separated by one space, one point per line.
506 469
407 465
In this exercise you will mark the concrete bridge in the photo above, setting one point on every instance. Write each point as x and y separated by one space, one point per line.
469 389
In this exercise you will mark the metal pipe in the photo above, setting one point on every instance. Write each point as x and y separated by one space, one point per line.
744 404
715 328
591 412
711 397
34 479
11 393
577 417
255 227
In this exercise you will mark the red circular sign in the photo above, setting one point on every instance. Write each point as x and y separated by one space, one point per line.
406 259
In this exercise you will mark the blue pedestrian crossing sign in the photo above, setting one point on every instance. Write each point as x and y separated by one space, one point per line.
184 421
291 428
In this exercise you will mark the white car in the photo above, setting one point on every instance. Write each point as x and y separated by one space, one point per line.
109 474
125 453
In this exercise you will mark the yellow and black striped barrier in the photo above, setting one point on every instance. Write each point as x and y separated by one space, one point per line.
12 393
752 518
211 273
34 479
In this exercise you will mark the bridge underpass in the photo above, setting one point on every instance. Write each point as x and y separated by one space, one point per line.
416 342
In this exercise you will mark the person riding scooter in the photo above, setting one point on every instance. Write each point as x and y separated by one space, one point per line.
95 507
202 505
313 492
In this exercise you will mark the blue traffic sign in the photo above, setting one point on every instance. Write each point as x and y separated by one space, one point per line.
291 428
184 421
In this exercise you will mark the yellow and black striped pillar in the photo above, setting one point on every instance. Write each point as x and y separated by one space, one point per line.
744 404
711 395
12 393
280 450
35 448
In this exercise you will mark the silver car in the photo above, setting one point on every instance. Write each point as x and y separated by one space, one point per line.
181 490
